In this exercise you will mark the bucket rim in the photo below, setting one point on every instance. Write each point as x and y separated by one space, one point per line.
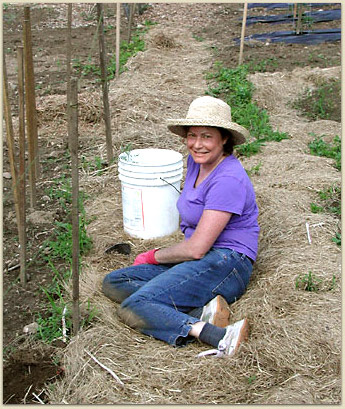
176 157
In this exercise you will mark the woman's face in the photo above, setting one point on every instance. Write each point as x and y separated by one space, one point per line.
205 144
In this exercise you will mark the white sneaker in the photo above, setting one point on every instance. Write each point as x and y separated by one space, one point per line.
228 345
216 312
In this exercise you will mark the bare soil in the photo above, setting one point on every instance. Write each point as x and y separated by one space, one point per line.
217 24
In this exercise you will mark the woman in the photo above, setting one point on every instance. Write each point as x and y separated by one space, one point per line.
182 292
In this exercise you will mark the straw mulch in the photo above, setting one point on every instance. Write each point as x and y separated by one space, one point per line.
293 353
53 108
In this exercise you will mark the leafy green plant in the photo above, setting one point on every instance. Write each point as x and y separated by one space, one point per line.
61 191
269 64
233 86
127 50
331 199
97 165
61 245
50 327
319 147
322 102
57 250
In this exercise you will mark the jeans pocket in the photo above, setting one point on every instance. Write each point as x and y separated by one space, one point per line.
232 286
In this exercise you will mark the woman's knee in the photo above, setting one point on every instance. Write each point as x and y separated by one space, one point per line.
111 290
126 313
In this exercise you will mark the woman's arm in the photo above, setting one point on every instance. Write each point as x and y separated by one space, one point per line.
211 224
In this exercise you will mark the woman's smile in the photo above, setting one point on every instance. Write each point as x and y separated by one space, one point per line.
206 145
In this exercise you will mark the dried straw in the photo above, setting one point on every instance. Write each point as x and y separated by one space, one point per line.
293 353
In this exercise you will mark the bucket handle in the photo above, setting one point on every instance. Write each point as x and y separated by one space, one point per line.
170 184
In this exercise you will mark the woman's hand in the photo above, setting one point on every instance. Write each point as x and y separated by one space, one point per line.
146 258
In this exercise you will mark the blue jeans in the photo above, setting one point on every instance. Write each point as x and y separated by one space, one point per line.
156 299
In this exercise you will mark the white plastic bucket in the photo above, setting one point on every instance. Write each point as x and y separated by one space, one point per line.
150 185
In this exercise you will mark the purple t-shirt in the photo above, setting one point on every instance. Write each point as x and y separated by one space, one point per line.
227 188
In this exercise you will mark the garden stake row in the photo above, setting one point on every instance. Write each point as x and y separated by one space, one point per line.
31 115
103 62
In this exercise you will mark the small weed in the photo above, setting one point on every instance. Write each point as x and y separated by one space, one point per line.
269 64
322 102
60 190
251 379
322 60
308 282
332 199
98 165
198 38
319 147
255 170
316 208
337 239
127 150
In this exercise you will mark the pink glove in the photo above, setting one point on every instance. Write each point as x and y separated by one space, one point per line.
146 258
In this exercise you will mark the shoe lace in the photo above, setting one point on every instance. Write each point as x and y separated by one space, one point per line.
217 353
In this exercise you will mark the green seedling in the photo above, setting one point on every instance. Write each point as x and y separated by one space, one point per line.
255 170
308 282
337 239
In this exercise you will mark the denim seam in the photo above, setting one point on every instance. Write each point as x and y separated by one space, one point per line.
235 273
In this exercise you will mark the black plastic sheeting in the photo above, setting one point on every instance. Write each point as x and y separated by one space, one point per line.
289 37
316 16
286 5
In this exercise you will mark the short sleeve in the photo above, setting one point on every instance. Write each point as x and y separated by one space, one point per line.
226 194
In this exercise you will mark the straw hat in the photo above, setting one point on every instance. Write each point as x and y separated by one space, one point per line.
209 111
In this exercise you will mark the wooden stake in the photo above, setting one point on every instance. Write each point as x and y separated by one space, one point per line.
103 62
130 21
68 59
10 143
30 105
22 226
299 19
294 14
117 51
243 32
73 144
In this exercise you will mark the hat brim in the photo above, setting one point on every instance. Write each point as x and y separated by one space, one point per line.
179 127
